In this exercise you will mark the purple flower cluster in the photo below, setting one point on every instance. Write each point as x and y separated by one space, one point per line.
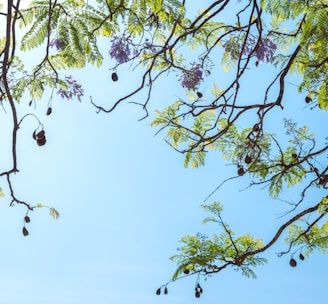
120 49
191 78
57 43
263 53
74 89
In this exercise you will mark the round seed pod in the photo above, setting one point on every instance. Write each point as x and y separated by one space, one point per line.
25 231
308 99
256 127
294 155
114 77
199 95
40 134
302 257
241 171
49 111
27 219
158 291
248 159
166 290
292 262
197 294
186 271
41 141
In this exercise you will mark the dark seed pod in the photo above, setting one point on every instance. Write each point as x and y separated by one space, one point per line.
248 159
30 103
199 94
27 219
292 262
302 257
197 294
41 141
25 231
256 127
308 99
34 135
256 63
166 290
294 155
186 271
40 134
49 111
114 77
158 291
241 171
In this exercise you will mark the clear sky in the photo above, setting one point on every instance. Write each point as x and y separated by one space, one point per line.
125 200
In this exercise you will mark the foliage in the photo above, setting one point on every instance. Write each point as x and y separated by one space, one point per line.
163 38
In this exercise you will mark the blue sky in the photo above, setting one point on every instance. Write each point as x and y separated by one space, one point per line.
125 200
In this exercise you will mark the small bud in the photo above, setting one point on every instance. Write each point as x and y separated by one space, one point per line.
49 111
27 219
166 290
301 257
114 77
158 291
248 159
292 262
25 231
186 271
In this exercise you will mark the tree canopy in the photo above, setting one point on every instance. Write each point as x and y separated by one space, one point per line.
193 43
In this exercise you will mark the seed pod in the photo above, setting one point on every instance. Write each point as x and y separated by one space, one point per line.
49 111
114 77
197 294
294 155
166 290
241 171
27 219
248 159
25 231
302 257
292 262
158 291
308 99
199 94
41 141
256 127
30 103
34 135
40 134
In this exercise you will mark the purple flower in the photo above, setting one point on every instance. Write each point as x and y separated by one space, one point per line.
57 43
266 50
191 78
120 49
74 89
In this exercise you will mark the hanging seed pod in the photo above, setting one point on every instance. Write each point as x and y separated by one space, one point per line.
294 155
41 141
241 171
34 135
292 262
40 134
114 77
248 159
49 111
25 231
30 103
199 95
256 127
308 99
197 294
302 257
27 219
158 291
166 290
186 271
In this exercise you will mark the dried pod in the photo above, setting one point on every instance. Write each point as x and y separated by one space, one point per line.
197 294
41 141
166 290
49 111
302 257
308 99
158 291
256 63
114 77
294 155
30 103
248 159
25 231
241 171
199 95
256 128
40 134
27 219
292 262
